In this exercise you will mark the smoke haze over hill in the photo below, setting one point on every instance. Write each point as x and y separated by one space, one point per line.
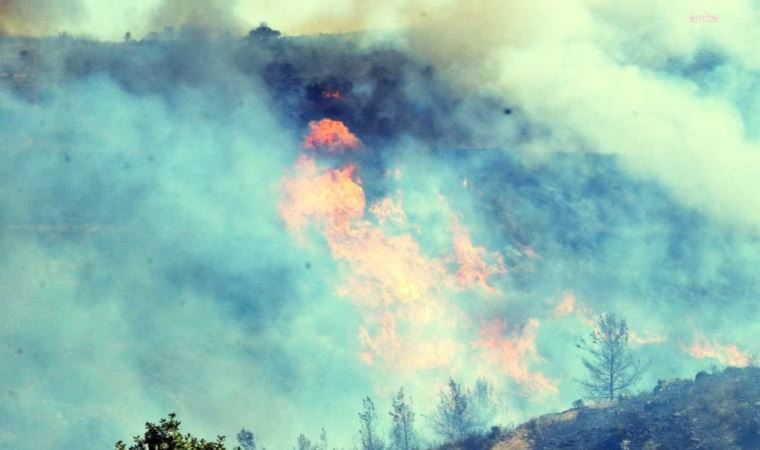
258 230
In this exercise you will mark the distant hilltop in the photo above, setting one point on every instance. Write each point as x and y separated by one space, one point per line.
719 411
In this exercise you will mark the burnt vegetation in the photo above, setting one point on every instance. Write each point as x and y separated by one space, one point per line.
718 411
379 91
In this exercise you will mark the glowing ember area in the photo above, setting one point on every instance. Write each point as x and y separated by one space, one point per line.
512 355
330 135
332 94
473 268
333 197
728 354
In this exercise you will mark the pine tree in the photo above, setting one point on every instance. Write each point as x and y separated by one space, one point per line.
612 368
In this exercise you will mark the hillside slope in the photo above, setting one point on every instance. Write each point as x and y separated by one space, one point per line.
712 412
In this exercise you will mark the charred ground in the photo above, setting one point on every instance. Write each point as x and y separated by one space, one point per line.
379 91
713 411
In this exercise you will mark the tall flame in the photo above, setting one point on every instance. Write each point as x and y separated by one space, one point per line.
409 323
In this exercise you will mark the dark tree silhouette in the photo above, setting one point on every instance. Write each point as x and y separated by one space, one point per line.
403 436
246 440
303 443
612 368
322 440
368 427
166 435
263 32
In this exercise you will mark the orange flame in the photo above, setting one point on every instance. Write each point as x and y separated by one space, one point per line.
473 268
408 322
512 355
390 269
333 197
386 346
385 271
331 135
386 268
728 354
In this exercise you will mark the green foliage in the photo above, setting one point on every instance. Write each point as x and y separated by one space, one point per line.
165 435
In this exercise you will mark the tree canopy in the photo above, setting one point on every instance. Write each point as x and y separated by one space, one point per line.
165 435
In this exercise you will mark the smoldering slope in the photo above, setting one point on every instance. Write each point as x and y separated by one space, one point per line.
147 267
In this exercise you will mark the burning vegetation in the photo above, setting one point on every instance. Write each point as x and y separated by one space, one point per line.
330 135
394 246
387 273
